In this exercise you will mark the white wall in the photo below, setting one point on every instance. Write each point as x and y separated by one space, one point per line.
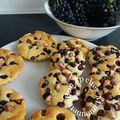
21 6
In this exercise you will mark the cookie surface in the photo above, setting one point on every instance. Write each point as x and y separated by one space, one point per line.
53 113
11 66
74 43
60 88
36 46
12 105
71 59
97 54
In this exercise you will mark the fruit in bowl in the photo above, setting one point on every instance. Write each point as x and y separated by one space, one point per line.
87 19
93 13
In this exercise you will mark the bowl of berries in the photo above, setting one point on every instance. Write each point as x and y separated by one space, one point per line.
87 19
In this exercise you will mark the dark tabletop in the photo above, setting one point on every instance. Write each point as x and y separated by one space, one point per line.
14 26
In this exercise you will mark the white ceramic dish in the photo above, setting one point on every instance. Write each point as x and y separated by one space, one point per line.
28 82
87 33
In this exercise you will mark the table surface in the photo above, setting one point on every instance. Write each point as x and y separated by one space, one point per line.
13 27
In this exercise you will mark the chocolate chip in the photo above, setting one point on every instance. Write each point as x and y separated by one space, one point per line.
8 95
73 92
83 95
77 52
117 97
108 52
48 51
98 72
100 87
61 104
50 74
29 41
101 113
30 47
89 99
77 60
83 62
18 101
12 63
96 57
42 53
32 58
92 117
118 62
108 96
93 52
44 85
45 50
107 106
103 79
35 38
56 75
46 95
109 87
107 73
83 103
3 102
72 81
63 52
80 67
67 60
60 116
57 60
19 42
72 64
95 64
118 70
116 107
48 90
43 112
3 76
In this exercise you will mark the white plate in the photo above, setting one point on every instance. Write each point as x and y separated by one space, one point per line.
28 82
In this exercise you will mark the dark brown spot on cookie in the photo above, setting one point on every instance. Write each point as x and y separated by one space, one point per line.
118 62
96 57
43 112
18 101
81 67
29 41
107 73
73 92
57 60
8 95
42 53
12 63
50 74
108 52
101 113
92 117
107 106
67 60
77 52
72 81
89 99
46 95
117 97
116 107
3 76
109 87
32 58
108 96
30 47
35 38
72 64
61 104
60 116
118 70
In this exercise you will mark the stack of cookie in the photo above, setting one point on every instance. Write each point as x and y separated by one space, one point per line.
105 73
12 104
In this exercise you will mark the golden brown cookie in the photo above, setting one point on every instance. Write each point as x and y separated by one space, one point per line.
11 66
36 46
74 43
53 113
71 59
60 88
12 105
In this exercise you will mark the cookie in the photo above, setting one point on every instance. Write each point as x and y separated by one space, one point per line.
12 105
36 46
71 59
74 43
60 88
97 54
53 113
11 66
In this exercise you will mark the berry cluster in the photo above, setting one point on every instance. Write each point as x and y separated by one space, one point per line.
95 13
